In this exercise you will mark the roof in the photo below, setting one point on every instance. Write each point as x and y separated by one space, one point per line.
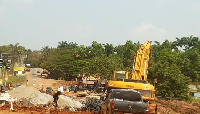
125 90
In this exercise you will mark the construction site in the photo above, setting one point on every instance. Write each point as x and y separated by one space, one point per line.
86 94
31 100
99 57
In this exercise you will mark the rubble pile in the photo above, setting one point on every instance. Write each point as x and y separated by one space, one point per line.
41 98
93 105
28 96
23 92
69 103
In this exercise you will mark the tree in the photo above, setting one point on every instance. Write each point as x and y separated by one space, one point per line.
127 53
65 44
104 66
96 49
35 58
171 81
109 49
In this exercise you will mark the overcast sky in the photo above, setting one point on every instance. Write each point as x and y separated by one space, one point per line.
38 23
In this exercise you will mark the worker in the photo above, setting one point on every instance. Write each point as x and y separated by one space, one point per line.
55 97
26 82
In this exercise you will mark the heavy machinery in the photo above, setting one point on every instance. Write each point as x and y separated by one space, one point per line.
138 78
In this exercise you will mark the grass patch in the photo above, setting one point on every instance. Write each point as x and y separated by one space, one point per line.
15 80
196 100
192 99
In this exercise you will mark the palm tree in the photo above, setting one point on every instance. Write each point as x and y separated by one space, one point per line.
62 44
17 52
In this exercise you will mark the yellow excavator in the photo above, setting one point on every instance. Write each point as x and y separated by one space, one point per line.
138 78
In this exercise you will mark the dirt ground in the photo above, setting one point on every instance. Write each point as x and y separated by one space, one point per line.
177 107
37 110
35 80
164 107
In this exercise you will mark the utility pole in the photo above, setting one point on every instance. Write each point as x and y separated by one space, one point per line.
3 77
4 66
1 72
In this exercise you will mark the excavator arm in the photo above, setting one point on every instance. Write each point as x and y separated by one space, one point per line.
140 69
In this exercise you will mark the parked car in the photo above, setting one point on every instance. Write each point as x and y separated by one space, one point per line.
124 101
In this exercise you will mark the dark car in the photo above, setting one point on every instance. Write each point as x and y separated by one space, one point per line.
49 90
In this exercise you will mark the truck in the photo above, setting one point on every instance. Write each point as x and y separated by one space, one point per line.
124 101
27 67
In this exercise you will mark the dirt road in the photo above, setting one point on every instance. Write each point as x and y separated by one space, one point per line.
35 80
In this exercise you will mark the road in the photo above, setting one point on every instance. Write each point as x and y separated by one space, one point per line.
35 80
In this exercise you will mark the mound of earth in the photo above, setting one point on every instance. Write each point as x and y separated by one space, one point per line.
177 107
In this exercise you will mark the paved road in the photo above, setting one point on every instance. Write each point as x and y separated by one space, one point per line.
35 80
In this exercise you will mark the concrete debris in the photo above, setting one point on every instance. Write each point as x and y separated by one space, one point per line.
66 102
41 98
24 103
28 96
31 94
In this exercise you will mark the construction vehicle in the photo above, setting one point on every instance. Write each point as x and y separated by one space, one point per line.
90 82
27 67
138 78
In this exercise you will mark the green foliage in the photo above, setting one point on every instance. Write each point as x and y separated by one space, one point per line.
171 81
198 89
16 51
191 99
173 63
104 66
15 80
127 53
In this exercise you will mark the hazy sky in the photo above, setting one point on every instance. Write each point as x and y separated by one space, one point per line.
38 23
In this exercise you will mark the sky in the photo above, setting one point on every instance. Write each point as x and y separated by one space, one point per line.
38 23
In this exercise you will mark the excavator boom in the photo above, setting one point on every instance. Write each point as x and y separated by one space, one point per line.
141 61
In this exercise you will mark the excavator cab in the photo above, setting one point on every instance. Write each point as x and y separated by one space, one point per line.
120 75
